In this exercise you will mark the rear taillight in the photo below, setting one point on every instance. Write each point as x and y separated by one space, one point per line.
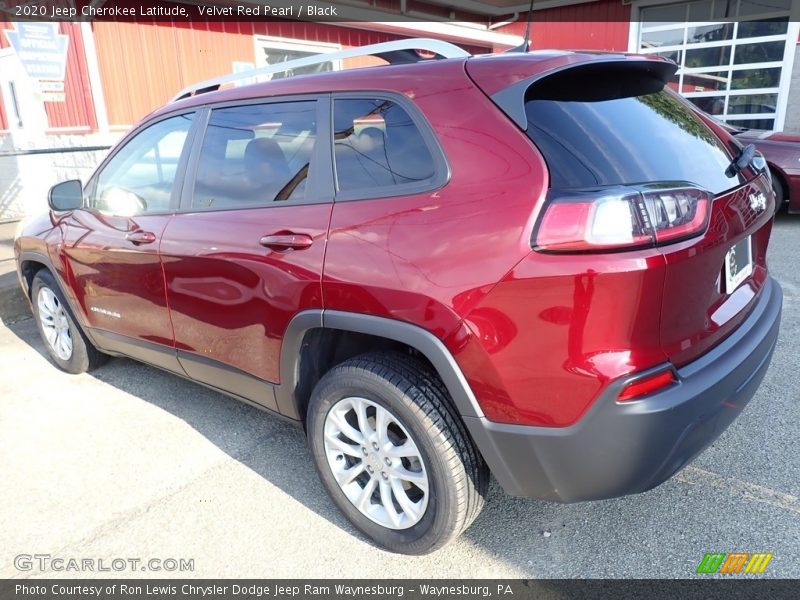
621 218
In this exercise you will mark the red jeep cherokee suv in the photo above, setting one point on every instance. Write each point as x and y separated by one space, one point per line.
544 266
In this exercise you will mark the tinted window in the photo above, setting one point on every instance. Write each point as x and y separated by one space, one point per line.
756 103
638 139
759 28
377 145
654 39
748 79
256 154
709 33
761 52
141 176
708 57
713 81
713 105
753 123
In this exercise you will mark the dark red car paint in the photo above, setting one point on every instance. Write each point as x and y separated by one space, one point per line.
782 151
538 336
231 301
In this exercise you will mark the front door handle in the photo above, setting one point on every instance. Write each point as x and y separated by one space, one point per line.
141 237
286 241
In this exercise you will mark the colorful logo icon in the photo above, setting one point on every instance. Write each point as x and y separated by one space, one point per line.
734 563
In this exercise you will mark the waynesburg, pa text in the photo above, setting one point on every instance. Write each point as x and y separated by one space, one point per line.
259 591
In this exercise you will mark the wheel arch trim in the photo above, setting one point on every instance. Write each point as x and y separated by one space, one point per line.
47 263
37 257
411 335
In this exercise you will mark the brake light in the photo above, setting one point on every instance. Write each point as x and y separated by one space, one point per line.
646 385
621 218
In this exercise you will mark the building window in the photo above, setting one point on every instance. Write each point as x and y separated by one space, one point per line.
730 53
273 51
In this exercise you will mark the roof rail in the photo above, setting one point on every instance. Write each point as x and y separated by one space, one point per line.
396 52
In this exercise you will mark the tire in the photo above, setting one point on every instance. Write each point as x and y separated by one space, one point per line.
66 344
777 187
418 407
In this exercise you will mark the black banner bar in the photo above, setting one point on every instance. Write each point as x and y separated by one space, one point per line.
729 588
359 11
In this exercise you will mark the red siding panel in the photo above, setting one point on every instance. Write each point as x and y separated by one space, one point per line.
3 120
76 113
142 65
3 44
600 25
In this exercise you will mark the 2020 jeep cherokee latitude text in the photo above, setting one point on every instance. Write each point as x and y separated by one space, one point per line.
542 266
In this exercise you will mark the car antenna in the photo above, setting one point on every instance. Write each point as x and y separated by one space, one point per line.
525 46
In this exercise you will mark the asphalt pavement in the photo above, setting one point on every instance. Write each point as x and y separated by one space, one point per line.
133 463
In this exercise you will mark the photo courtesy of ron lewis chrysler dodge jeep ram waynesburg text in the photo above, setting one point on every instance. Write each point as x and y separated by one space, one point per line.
542 266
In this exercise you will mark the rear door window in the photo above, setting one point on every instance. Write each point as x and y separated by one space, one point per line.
607 140
256 154
380 150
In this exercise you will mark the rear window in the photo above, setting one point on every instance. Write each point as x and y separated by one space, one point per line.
378 148
627 140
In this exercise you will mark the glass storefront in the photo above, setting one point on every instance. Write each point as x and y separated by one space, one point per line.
730 52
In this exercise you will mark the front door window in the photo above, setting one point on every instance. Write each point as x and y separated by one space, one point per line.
140 178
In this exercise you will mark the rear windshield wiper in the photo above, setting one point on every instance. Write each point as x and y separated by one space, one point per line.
744 158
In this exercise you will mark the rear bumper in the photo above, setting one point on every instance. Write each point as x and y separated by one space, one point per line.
626 448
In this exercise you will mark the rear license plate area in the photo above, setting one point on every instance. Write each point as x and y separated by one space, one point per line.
738 264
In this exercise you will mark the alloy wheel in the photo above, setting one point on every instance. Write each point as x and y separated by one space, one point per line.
55 323
376 463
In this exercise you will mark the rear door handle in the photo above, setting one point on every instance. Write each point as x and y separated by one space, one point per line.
286 241
141 237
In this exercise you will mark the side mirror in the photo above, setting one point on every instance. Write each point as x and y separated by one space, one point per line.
67 195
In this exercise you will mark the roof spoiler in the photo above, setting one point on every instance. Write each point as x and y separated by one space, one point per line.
594 80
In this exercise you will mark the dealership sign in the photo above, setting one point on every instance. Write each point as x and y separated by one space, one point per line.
43 54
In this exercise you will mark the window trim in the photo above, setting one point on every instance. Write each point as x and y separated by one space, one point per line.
319 188
441 167
180 172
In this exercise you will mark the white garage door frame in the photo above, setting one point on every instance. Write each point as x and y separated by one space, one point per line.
786 65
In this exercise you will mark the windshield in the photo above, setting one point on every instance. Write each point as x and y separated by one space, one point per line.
634 139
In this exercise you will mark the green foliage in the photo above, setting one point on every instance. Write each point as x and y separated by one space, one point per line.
671 108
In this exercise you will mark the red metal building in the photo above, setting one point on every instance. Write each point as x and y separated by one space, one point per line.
117 72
